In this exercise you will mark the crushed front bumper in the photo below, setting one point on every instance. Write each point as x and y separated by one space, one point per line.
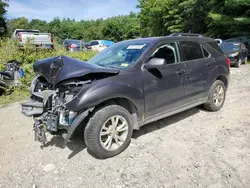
35 109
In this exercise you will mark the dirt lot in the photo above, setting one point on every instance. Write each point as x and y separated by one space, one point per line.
193 149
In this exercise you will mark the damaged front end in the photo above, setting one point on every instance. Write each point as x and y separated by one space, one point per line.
59 82
48 107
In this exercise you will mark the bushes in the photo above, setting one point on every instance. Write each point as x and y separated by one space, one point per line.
29 55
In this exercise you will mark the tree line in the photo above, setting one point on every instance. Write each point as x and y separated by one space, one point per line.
214 18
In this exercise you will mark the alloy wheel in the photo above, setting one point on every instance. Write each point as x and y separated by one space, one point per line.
114 133
219 95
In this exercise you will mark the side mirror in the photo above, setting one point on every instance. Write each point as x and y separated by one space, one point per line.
155 63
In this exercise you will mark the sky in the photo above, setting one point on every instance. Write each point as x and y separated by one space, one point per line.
74 9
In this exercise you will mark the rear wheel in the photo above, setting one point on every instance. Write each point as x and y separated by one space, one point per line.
108 131
216 96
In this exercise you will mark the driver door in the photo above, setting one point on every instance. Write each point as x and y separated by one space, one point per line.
164 86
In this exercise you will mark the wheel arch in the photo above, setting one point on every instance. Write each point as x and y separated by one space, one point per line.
223 78
126 103
85 115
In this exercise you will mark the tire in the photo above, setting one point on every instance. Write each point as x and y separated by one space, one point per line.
211 103
245 62
95 126
238 63
2 89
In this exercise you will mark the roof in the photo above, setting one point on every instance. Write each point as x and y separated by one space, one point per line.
170 37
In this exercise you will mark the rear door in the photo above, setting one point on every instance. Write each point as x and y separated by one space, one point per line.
198 63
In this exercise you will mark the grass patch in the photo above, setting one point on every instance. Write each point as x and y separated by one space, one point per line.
16 96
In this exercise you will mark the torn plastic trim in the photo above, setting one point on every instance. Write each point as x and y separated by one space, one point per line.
78 120
32 108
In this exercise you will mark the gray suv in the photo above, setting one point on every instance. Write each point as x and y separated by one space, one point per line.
124 87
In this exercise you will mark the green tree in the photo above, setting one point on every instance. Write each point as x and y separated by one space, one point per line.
116 28
17 23
216 18
121 27
229 18
3 27
112 29
162 17
38 24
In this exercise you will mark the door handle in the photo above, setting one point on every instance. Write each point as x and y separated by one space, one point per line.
209 63
181 71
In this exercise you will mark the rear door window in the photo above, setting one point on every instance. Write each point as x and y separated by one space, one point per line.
191 50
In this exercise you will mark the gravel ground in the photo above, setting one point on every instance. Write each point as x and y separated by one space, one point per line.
195 148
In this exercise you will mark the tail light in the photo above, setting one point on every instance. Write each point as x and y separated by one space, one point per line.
72 46
51 39
228 61
19 37
89 47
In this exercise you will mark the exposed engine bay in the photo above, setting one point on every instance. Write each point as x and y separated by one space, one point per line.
47 106
59 86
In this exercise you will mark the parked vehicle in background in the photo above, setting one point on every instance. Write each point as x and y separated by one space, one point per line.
124 87
98 45
244 39
39 40
236 52
74 45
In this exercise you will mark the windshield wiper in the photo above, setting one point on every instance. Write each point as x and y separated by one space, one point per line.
107 66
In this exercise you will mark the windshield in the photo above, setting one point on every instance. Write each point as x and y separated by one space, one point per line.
93 43
119 55
26 31
77 42
226 46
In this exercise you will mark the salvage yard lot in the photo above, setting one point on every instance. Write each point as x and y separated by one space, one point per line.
195 148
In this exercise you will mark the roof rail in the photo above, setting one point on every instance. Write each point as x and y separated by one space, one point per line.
186 34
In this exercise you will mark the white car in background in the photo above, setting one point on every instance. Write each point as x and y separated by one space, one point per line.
98 45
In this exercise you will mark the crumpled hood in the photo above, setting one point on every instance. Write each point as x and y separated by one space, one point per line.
59 68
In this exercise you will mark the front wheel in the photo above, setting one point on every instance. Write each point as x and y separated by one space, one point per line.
108 131
245 62
216 97
238 64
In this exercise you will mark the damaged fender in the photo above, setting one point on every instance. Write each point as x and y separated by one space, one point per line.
78 120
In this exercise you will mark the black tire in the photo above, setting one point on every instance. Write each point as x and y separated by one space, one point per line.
2 89
238 64
94 126
210 104
245 62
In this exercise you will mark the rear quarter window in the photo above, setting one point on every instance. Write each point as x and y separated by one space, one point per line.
205 52
215 46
